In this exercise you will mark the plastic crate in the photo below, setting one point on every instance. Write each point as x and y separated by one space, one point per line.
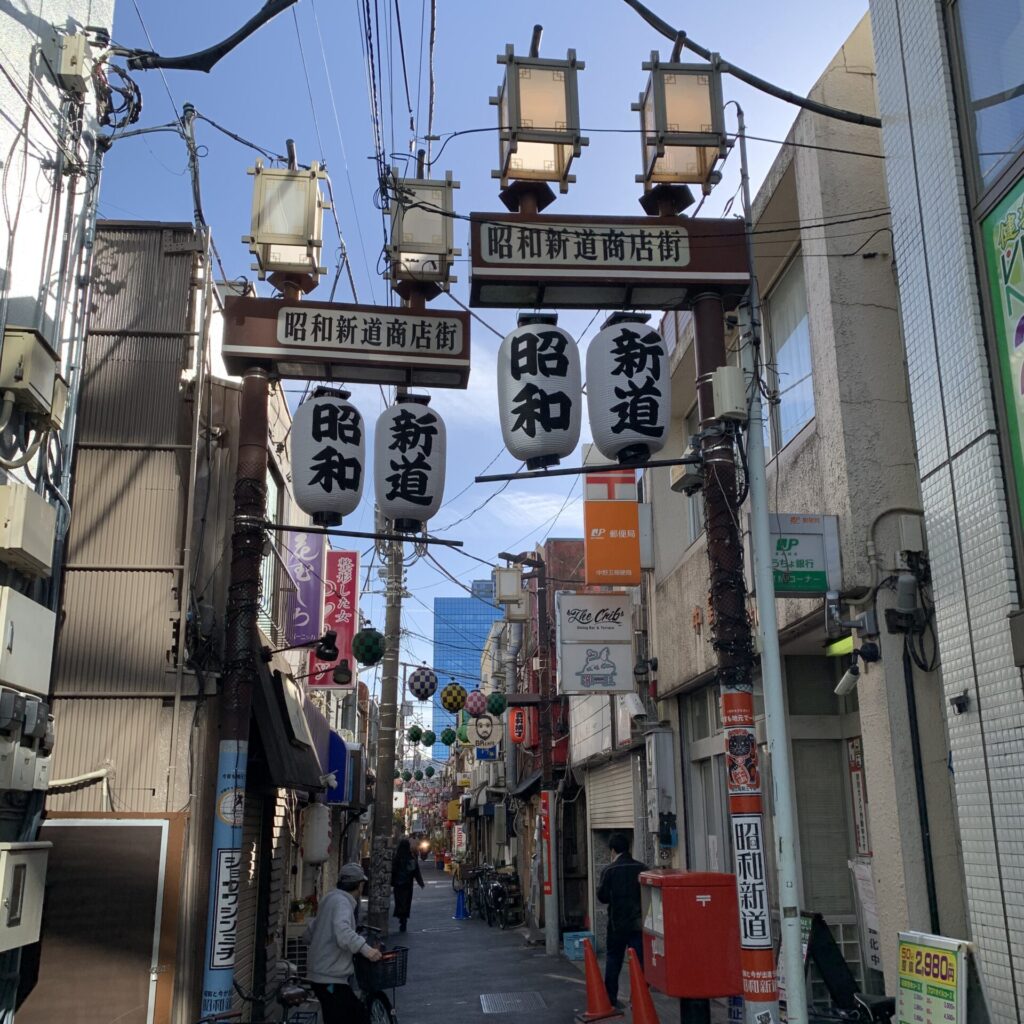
382 974
572 944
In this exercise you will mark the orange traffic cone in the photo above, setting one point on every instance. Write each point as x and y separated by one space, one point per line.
639 994
599 1006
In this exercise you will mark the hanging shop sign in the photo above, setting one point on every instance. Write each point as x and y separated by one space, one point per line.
334 341
328 456
611 545
304 564
1002 234
805 551
341 613
484 730
409 462
595 643
602 262
540 400
517 725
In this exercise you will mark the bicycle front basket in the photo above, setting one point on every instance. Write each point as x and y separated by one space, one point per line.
386 973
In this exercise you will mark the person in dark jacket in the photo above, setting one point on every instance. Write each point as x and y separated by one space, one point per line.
405 869
620 889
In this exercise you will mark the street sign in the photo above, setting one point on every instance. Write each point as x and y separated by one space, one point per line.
603 262
805 555
332 341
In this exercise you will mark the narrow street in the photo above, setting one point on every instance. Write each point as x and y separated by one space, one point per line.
456 967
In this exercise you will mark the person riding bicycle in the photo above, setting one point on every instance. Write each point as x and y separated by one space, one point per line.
332 942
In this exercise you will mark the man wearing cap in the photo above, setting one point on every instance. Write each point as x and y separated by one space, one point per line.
332 942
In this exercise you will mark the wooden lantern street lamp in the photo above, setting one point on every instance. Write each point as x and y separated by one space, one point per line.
538 126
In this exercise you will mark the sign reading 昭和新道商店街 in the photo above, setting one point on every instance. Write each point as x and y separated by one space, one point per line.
595 643
351 343
805 555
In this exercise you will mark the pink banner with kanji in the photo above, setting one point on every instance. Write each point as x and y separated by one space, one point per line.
341 613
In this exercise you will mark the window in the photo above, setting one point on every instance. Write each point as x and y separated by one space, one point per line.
790 350
991 34
695 502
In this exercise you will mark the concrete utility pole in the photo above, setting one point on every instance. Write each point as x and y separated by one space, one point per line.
733 643
381 850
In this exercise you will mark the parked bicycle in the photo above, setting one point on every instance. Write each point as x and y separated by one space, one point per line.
504 899
291 994
376 977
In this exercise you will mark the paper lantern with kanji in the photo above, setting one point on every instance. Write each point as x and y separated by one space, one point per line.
496 703
409 462
448 736
422 683
328 456
628 389
453 698
429 738
517 725
540 392
368 646
476 704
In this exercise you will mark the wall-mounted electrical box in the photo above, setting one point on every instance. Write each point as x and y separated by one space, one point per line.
730 394
59 402
27 528
22 880
26 642
28 367
73 63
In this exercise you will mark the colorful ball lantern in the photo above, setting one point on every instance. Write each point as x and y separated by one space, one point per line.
422 683
398 774
328 453
448 737
476 704
407 776
540 391
418 775
429 738
415 734
628 388
368 646
429 771
409 462
517 725
496 703
463 734
453 698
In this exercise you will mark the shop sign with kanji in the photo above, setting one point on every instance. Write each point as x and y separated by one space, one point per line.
805 554
333 341
603 262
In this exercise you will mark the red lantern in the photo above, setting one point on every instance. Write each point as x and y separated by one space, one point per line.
517 724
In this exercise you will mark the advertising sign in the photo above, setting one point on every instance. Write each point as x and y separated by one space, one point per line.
805 554
594 618
304 562
341 613
859 794
460 840
545 839
932 979
598 668
483 731
611 546
1003 242
336 341
595 643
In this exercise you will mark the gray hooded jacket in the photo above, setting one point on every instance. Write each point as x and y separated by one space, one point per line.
333 940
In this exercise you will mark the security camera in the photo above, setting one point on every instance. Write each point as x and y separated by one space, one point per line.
689 477
634 706
849 681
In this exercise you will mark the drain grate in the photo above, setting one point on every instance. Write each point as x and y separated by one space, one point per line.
512 1002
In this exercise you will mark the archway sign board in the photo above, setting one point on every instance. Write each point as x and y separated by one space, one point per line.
347 343
573 262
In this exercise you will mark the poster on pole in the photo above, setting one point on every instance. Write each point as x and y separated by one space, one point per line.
341 613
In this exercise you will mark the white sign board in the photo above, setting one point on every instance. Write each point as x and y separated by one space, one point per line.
484 731
594 643
597 668
594 618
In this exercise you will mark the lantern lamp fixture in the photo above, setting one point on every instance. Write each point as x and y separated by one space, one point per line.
326 647
682 123
538 120
288 223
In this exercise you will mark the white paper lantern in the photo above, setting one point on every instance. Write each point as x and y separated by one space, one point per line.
328 452
540 400
408 462
628 389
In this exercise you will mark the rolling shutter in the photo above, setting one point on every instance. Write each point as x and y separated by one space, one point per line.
610 796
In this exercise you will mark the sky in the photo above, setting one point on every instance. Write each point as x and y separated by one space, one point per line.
303 76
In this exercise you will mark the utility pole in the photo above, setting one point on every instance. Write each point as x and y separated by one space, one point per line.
381 850
771 662
733 643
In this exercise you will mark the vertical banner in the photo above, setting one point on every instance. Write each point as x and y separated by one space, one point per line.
225 873
341 613
304 562
859 795
545 839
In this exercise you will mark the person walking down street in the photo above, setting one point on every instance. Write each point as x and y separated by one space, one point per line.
333 941
620 890
405 869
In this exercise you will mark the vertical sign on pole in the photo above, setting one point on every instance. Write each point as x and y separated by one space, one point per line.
545 838
304 561
341 613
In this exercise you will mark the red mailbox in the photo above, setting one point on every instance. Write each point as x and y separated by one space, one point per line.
691 933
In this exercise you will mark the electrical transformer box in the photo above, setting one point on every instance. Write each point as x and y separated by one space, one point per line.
28 368
22 879
27 529
26 642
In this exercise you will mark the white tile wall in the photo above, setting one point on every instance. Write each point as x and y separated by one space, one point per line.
963 488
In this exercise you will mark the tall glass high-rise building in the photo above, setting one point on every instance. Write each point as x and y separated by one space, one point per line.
461 625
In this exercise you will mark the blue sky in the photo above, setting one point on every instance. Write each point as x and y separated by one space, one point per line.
260 92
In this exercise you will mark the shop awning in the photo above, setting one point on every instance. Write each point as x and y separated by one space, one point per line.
285 733
527 784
